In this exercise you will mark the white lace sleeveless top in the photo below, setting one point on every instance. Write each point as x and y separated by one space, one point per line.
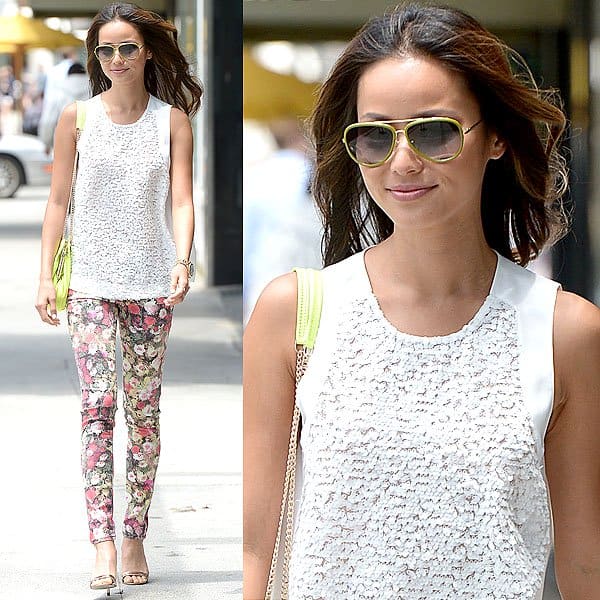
122 245
422 474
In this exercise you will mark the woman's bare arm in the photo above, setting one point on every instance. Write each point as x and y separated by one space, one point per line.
269 376
54 219
182 145
573 448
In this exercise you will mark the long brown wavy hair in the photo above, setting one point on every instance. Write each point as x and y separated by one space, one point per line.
520 206
167 76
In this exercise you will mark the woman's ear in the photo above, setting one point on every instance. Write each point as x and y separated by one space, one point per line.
498 147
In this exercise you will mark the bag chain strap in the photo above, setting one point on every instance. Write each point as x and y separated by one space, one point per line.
68 230
289 490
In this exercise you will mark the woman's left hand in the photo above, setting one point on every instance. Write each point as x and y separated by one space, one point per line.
179 285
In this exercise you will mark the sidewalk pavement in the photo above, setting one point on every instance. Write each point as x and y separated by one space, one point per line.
194 540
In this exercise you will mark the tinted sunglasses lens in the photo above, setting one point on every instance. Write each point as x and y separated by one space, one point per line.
369 144
129 51
104 52
437 140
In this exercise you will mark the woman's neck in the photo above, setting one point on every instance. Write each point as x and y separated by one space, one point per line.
124 109
126 98
429 264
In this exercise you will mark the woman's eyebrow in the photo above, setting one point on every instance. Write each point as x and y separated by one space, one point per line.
438 112
375 117
117 43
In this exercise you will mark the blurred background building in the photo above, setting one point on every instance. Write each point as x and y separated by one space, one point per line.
289 46
210 36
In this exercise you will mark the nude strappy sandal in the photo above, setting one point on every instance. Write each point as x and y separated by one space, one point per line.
100 583
140 574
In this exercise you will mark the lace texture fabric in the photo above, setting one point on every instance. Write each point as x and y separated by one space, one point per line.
420 474
122 247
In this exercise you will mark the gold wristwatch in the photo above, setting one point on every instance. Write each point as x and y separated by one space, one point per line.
188 264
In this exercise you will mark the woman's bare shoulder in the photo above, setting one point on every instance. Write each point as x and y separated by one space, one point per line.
269 338
277 303
179 118
69 115
64 136
576 340
575 319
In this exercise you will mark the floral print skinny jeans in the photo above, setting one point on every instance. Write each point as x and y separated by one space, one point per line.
143 328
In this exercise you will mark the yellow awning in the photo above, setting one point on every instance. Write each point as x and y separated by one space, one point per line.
31 33
269 95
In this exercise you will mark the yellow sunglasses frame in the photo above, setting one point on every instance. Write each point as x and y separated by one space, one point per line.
409 124
116 50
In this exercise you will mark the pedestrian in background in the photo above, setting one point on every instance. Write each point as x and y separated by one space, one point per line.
281 226
130 268
75 87
33 102
7 95
451 393
56 75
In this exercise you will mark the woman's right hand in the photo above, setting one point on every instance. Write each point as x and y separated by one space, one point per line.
46 302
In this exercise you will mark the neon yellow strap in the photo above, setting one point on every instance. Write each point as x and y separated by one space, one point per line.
310 302
80 115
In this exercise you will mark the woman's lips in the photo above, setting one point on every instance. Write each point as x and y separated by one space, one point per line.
409 192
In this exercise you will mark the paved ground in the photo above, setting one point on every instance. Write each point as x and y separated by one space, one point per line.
194 543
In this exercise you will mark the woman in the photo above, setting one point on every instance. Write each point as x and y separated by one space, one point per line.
447 383
130 266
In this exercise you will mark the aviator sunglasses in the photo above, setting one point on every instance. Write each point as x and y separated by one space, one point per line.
127 51
438 139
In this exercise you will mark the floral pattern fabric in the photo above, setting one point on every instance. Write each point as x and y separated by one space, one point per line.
144 327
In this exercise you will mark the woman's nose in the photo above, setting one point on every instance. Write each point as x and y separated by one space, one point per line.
117 58
404 158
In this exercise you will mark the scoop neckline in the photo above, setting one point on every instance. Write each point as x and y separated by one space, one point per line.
106 115
471 325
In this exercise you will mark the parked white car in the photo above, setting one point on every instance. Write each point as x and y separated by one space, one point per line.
23 160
